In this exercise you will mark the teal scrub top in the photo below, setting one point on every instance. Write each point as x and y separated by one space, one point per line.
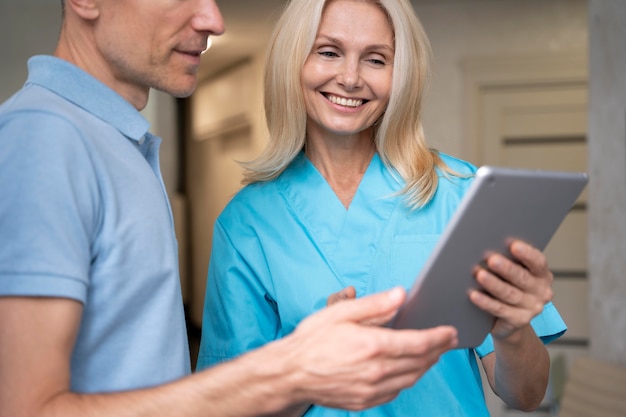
280 248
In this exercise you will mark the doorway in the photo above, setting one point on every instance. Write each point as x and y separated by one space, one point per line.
531 112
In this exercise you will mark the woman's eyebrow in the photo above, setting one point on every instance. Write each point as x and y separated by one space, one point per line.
340 43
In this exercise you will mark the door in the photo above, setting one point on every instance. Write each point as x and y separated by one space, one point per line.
529 124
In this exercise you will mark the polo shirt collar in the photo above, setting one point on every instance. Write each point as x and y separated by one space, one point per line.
82 89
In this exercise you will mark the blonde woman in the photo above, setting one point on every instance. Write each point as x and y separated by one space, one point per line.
348 198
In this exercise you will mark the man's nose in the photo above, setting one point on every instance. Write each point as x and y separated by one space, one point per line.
208 18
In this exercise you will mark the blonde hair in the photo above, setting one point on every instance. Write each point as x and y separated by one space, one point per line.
399 136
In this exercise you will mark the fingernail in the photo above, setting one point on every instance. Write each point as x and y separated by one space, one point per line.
497 261
395 294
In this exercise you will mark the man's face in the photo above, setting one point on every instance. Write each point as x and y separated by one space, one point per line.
154 43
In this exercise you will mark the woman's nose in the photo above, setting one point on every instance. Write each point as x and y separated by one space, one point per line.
350 76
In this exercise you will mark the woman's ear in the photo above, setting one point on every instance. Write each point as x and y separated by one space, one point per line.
86 9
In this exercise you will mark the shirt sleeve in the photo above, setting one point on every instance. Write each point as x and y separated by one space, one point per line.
548 325
239 311
47 207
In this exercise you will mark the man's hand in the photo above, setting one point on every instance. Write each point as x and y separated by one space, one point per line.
335 360
349 293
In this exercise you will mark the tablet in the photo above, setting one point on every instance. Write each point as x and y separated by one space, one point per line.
501 204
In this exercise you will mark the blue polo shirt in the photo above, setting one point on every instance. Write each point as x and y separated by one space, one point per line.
84 215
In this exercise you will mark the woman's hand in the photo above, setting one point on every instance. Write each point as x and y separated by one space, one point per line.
515 292
345 294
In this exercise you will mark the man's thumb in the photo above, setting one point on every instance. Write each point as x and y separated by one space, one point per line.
369 308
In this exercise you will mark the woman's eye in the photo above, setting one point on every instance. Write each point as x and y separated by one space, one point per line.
329 54
376 61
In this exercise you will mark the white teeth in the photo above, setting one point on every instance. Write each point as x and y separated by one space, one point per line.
348 102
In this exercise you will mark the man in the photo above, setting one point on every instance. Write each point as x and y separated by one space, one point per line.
91 318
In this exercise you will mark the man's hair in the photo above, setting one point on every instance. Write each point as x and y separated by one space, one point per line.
399 135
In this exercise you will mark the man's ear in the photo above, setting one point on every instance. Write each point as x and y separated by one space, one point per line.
86 9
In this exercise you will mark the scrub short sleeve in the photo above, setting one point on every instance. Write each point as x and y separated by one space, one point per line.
548 326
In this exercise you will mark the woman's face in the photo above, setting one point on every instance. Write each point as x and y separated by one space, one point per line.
346 78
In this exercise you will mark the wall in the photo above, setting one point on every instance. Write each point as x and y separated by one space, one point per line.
467 29
607 188
25 30
227 126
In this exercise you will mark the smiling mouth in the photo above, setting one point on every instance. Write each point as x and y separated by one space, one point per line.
191 53
346 102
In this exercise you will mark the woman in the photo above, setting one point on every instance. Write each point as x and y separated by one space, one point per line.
348 195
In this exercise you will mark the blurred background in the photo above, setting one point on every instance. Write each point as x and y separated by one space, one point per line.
520 83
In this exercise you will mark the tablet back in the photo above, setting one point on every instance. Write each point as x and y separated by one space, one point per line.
501 204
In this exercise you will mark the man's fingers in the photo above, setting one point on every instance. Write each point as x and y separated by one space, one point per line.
367 308
409 354
433 341
349 293
415 344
